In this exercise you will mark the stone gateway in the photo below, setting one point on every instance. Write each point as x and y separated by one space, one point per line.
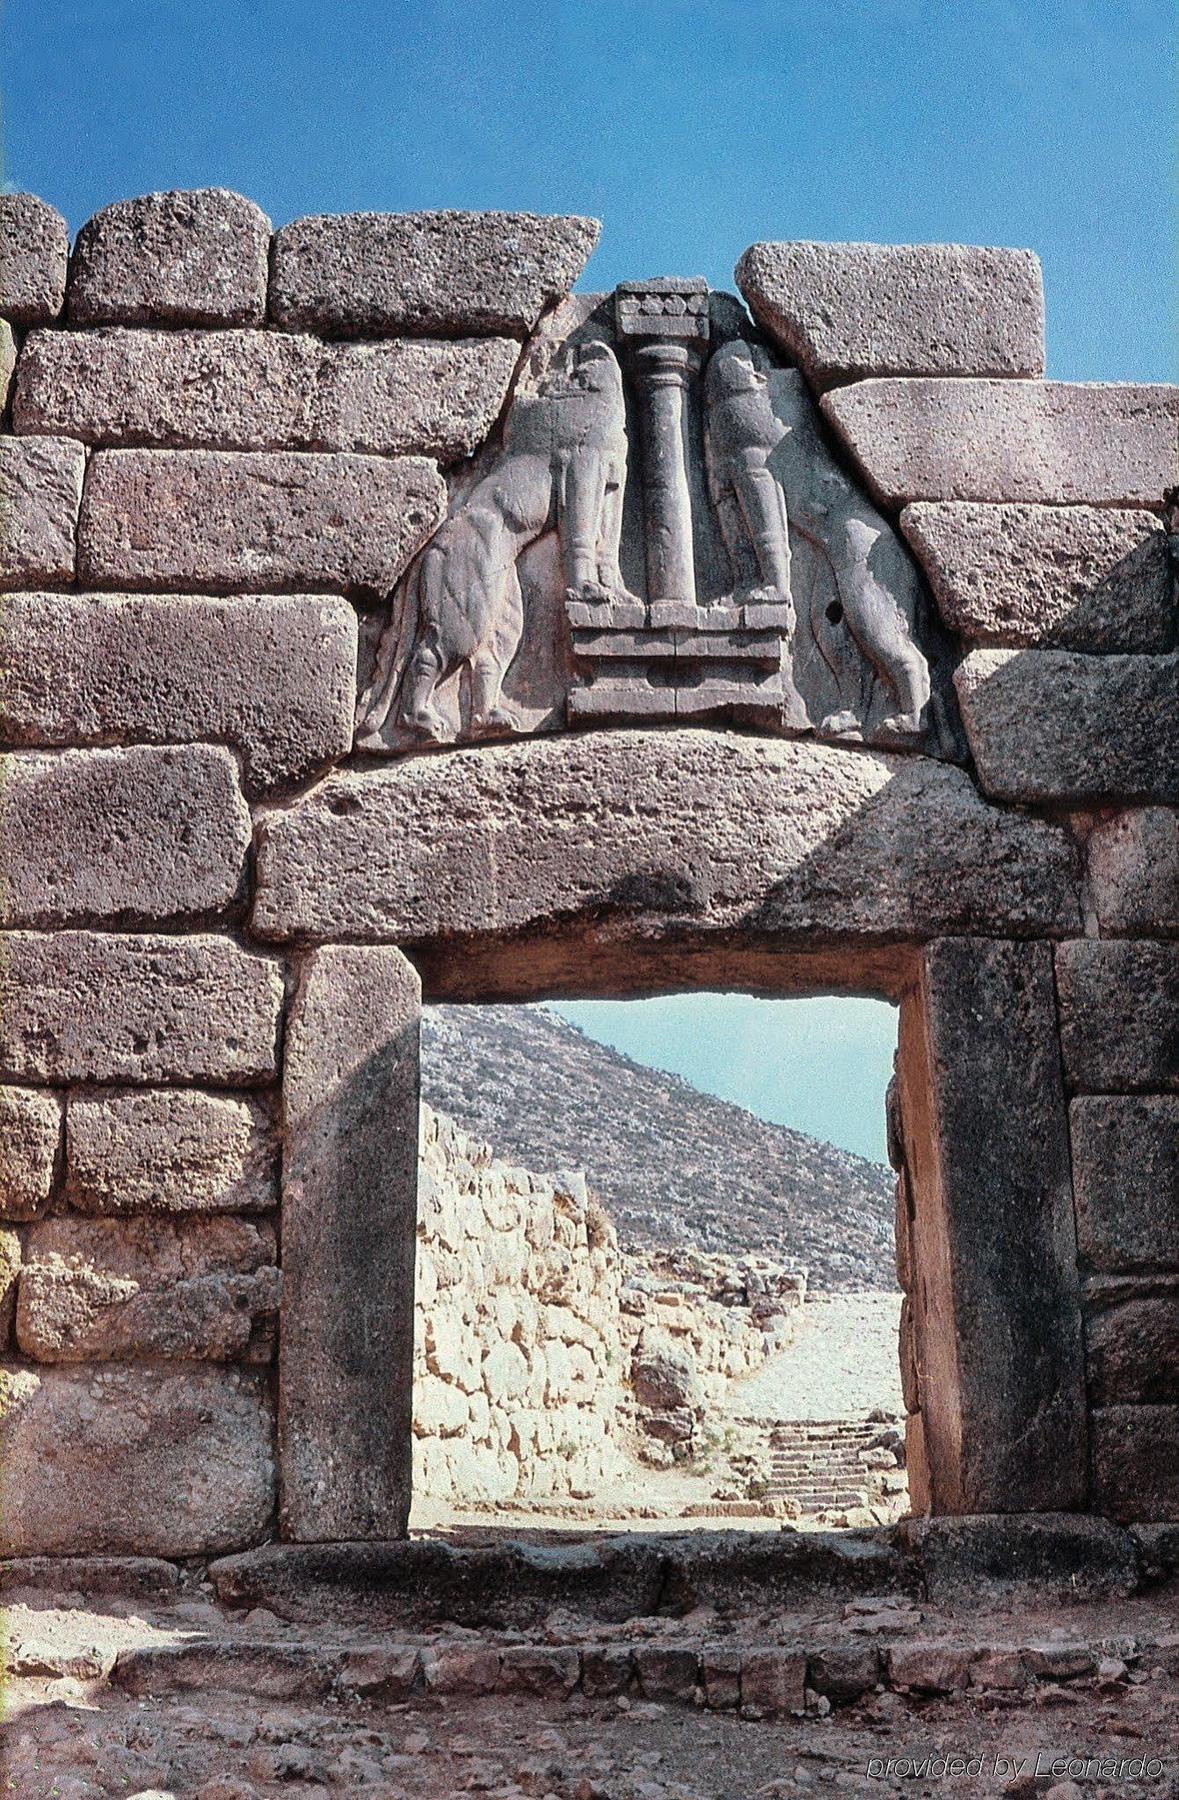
384 622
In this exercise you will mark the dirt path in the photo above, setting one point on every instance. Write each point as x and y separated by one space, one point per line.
842 1363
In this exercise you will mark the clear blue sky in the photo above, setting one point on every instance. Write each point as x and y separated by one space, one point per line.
691 128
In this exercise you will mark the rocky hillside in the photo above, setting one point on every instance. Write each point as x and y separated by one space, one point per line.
671 1164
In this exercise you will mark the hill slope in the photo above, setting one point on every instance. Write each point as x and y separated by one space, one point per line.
672 1165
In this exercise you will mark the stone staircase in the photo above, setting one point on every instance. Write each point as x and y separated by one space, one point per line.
817 1462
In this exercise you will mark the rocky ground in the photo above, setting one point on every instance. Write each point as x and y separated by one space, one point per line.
186 1688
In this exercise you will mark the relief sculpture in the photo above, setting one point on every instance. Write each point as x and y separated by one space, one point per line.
768 590
774 483
458 609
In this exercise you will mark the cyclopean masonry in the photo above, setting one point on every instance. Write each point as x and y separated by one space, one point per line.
384 621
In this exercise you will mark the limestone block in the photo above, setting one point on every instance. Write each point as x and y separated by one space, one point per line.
1068 578
440 1409
226 390
1119 1015
10 1268
843 311
436 398
254 390
784 838
505 1372
1126 1179
274 676
148 1462
1052 725
7 361
221 519
1133 860
987 1156
115 1289
773 1681
181 258
350 1098
40 492
34 252
1053 441
367 274
452 1348
97 1006
1136 1461
133 837
170 1150
30 1139
1132 1351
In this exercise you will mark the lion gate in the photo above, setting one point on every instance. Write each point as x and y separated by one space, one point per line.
384 620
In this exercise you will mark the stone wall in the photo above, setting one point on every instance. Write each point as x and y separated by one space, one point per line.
517 1352
223 450
545 1359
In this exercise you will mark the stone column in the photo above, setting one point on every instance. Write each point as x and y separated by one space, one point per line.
349 1221
664 325
994 1315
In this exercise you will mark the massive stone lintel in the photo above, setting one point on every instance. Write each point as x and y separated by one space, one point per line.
350 1100
676 834
997 1300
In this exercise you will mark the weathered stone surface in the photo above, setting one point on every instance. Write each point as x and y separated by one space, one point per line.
929 1668
96 1006
274 676
1050 725
156 1462
1119 1015
40 493
127 1577
182 258
350 1100
1136 1461
30 1136
1051 441
10 1265
773 1680
987 1155
118 1289
1132 1351
686 830
850 310
215 520
437 398
1069 578
34 252
1133 860
254 390
1015 1558
131 837
7 361
449 272
1126 1179
170 1150
845 1671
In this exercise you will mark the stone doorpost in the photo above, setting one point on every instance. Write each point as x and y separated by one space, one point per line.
349 1222
995 1382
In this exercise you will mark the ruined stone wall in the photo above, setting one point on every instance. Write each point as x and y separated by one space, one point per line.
222 450
517 1353
544 1357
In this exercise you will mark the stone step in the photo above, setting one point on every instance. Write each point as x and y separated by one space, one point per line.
753 1677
